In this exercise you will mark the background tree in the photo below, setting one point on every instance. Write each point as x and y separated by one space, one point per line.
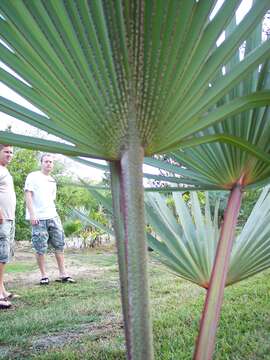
24 161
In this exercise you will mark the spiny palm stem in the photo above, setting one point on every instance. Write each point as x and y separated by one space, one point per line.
132 251
115 169
212 307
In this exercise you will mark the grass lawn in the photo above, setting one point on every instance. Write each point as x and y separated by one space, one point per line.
83 320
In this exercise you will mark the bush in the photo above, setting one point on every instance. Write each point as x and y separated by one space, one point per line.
72 227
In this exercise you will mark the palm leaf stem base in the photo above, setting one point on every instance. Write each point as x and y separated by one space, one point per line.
129 225
115 170
212 307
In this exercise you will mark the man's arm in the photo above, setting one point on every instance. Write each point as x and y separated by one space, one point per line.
1 216
1 211
29 204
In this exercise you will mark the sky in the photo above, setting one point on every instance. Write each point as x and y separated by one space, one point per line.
22 128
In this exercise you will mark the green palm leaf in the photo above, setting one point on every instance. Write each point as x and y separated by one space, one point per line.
90 63
198 236
186 241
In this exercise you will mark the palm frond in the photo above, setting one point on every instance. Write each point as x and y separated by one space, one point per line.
84 64
190 251
185 239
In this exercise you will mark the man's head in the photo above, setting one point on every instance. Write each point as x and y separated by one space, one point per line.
6 154
46 163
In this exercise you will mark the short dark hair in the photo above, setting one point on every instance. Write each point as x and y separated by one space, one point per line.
43 156
2 146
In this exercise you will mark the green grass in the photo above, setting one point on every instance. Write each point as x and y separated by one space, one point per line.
83 320
19 267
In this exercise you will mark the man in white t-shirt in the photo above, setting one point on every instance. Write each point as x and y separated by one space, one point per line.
7 218
40 194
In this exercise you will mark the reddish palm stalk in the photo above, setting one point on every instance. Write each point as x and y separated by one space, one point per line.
212 307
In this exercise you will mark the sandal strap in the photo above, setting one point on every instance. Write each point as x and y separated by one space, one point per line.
4 304
67 279
44 280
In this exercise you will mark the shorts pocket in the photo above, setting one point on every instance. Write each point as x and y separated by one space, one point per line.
4 243
39 240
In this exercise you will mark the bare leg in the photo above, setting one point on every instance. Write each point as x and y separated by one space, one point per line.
2 287
41 265
3 292
61 264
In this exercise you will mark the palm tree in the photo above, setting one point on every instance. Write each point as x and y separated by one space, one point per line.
224 166
120 81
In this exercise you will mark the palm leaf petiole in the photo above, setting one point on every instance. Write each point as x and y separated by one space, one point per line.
212 307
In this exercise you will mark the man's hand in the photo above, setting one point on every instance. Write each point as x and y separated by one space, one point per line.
29 205
34 221
1 217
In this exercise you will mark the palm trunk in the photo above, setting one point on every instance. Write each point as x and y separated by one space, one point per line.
117 192
211 313
132 251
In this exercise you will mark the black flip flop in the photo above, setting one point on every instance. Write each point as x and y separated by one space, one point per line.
44 281
66 279
4 304
13 296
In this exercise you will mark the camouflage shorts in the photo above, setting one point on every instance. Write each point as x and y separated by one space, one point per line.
48 233
7 233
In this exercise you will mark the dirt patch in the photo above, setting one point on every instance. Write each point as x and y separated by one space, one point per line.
58 340
80 264
74 265
61 339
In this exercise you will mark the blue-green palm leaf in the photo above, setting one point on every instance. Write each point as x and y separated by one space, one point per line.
94 66
223 164
191 251
185 239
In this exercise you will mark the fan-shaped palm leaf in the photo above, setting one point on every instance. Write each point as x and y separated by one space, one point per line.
186 239
187 244
105 64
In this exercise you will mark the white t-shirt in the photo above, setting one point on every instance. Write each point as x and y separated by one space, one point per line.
43 188
7 194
